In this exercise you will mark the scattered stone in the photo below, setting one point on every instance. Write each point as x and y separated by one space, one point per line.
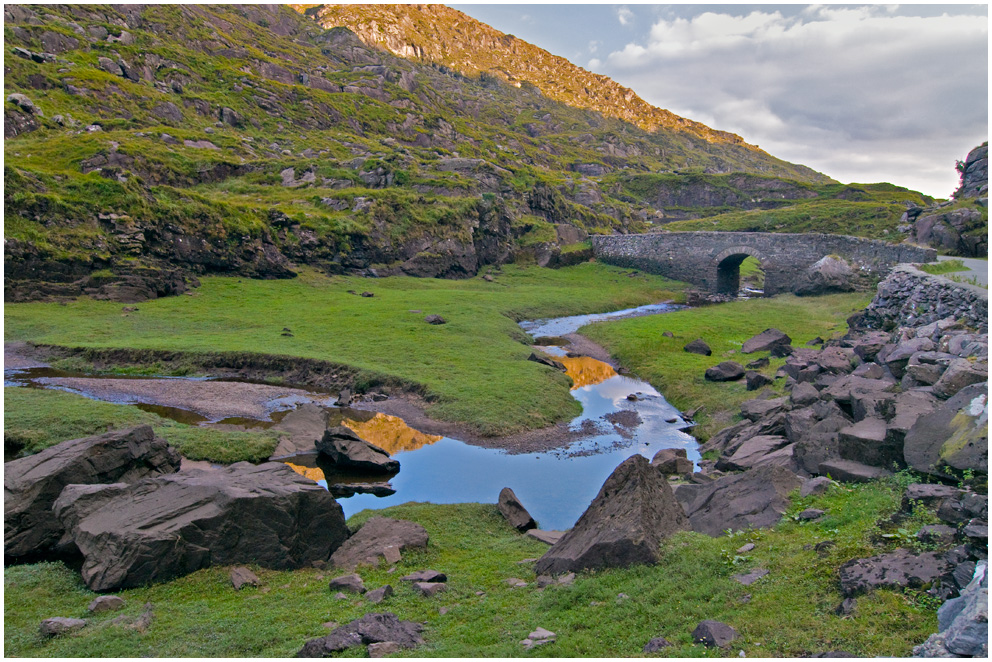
714 634
758 364
515 582
340 596
567 579
765 341
656 644
144 621
351 583
367 295
241 576
750 577
55 627
430 589
671 461
346 449
624 525
726 371
811 514
514 512
543 360
846 608
383 648
538 637
549 537
544 581
755 380
744 549
378 595
816 486
698 346
369 629
428 576
435 319
368 544
667 334
106 603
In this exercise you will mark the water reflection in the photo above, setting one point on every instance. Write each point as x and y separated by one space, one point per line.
390 433
586 371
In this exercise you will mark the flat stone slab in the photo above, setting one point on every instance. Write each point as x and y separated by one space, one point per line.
369 544
549 537
898 569
749 578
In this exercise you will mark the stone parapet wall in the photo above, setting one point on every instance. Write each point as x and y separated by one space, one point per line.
912 298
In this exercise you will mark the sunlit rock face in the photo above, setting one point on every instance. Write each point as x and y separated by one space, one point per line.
586 371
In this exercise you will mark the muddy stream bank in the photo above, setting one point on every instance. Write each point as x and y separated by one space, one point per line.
556 472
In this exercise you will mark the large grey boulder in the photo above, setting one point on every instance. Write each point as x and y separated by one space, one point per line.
959 374
514 512
374 540
868 441
725 371
898 569
758 451
753 499
955 436
964 621
624 525
32 484
765 341
169 526
367 630
829 274
346 449
698 346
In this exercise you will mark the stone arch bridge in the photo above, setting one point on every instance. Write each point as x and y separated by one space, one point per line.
711 260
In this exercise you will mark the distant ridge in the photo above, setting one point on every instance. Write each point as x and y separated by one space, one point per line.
445 36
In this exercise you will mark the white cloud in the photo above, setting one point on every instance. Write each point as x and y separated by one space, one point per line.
625 16
594 45
860 93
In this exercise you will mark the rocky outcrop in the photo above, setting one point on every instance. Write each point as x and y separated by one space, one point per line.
350 452
634 511
974 174
166 527
32 484
753 499
963 622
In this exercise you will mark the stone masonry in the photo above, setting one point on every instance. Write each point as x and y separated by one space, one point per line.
912 298
710 260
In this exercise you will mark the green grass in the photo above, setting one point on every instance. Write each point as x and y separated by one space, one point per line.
790 612
945 267
475 367
35 419
638 345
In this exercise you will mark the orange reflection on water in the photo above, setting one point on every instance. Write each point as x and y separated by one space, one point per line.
313 473
390 433
586 371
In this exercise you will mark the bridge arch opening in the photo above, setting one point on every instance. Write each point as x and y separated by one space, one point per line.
740 270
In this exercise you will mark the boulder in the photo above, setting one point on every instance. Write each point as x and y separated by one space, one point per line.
347 583
804 394
963 622
959 374
955 436
514 512
765 341
756 451
57 626
430 589
369 629
370 542
378 595
754 499
714 634
830 274
624 525
814 432
849 471
32 484
168 526
672 461
544 360
758 408
756 380
726 371
698 346
435 320
346 449
868 442
242 576
898 569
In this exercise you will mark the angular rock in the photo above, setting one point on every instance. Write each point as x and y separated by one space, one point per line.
714 634
655 645
868 442
32 484
54 627
758 408
378 595
369 629
350 583
754 499
242 576
671 461
955 436
810 514
804 394
427 576
169 526
346 449
755 380
829 274
725 371
817 485
898 569
105 603
753 452
551 363
959 374
765 341
849 471
430 589
625 524
750 577
514 512
698 346
549 537
435 320
367 545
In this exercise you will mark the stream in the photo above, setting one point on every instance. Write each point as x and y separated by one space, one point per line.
621 416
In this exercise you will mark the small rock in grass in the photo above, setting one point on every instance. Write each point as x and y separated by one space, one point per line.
379 594
367 295
351 583
811 514
330 625
847 607
106 603
391 554
567 580
538 637
430 589
544 580
340 596
242 576
425 576
523 561
54 627
713 634
516 582
744 549
143 622
656 645
749 578
435 319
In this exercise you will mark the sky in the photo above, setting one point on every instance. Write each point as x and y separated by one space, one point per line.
861 93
